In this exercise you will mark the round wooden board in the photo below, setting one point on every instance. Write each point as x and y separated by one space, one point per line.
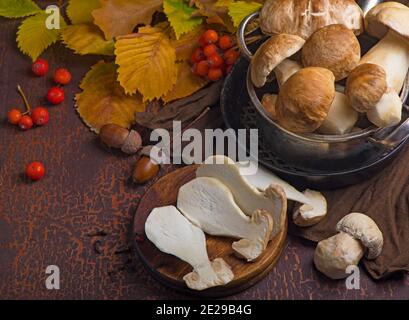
170 270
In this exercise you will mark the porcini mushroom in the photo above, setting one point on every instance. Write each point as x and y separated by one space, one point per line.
305 99
357 233
304 17
210 205
271 53
334 47
172 233
389 22
248 198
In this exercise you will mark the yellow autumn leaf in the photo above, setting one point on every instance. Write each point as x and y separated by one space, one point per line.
87 39
180 16
79 11
120 17
146 63
187 83
185 45
33 36
240 9
104 101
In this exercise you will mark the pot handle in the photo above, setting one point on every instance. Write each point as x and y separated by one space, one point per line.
241 39
397 136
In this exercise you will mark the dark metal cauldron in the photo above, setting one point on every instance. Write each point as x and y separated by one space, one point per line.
325 153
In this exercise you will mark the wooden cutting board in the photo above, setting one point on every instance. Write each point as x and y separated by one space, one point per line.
170 270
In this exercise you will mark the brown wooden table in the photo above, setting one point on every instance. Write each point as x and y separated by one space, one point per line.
80 215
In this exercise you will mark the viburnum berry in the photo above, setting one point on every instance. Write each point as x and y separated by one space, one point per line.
210 50
225 42
40 67
25 123
202 68
197 55
14 116
40 116
215 60
62 76
202 42
35 171
210 36
231 56
55 95
215 74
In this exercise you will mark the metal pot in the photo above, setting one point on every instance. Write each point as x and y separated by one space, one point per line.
316 152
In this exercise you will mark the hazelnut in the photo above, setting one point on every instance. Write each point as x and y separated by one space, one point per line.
115 136
145 170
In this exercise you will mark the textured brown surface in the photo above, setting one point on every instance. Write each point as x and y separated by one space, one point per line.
87 192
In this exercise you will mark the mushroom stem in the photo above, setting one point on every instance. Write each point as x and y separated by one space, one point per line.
285 70
392 54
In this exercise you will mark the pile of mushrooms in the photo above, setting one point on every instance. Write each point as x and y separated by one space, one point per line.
314 45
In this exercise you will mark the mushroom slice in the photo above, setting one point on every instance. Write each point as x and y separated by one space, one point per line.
313 206
248 198
271 53
172 233
390 22
210 205
304 17
334 47
305 100
357 233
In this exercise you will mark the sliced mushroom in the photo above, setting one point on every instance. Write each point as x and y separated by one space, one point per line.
304 17
248 198
388 21
357 233
305 99
313 206
172 233
271 53
334 47
210 205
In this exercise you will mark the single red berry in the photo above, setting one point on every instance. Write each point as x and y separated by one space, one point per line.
210 50
202 42
225 42
40 67
40 116
210 36
202 68
197 55
62 76
215 60
25 123
215 74
35 171
231 56
55 95
14 116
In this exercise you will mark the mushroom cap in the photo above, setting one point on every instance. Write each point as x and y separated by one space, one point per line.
334 255
365 86
387 16
303 17
305 99
271 53
334 47
363 228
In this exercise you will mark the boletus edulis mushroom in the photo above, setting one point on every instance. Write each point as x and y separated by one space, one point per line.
357 234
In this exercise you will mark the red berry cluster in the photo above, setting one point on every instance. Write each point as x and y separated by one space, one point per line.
214 57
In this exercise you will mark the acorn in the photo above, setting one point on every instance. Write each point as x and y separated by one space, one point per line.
115 136
145 170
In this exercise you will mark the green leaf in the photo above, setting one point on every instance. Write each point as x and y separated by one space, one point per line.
33 36
180 16
87 39
79 11
240 9
18 8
